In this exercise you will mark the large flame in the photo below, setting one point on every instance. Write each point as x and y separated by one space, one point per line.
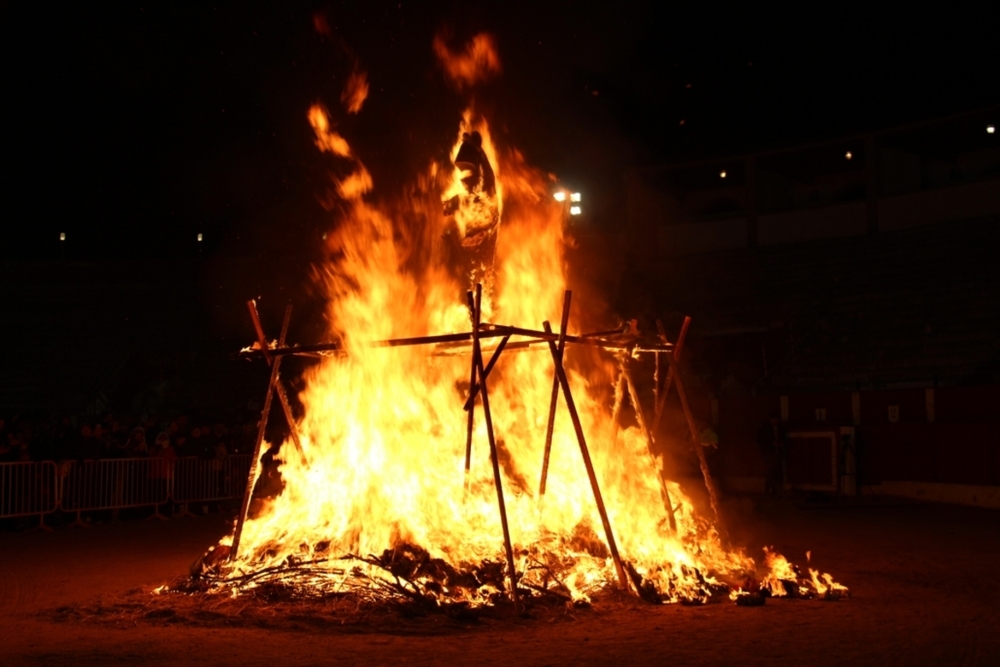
384 430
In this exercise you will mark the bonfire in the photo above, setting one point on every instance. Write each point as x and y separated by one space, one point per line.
456 449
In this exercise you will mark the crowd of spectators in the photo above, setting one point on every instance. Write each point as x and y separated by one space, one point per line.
110 436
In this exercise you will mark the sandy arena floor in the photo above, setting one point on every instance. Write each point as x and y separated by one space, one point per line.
924 580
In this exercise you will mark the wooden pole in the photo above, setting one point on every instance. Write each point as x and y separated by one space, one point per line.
477 358
560 347
286 407
640 417
471 403
585 452
676 353
495 331
696 440
486 373
656 384
293 429
261 338
255 459
616 410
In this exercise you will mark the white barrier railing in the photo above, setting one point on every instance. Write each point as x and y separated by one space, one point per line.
39 488
201 480
27 489
114 483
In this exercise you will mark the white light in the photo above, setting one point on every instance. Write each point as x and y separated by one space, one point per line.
560 196
848 155
62 236
574 210
722 174
199 238
990 129
575 196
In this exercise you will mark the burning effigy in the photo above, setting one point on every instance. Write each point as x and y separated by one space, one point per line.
456 448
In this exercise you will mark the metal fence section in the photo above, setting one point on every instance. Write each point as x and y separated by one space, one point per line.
114 483
39 488
27 489
202 480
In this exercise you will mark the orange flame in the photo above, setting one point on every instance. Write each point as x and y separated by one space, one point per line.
783 579
477 62
384 430
355 92
326 139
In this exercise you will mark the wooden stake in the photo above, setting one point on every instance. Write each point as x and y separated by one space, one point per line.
616 410
486 373
696 440
560 347
676 354
255 459
477 358
640 417
494 331
261 338
656 384
290 418
471 403
278 387
585 452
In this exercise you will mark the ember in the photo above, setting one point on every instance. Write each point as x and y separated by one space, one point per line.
452 469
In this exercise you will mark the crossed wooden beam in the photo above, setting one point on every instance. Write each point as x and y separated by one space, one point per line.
274 386
478 392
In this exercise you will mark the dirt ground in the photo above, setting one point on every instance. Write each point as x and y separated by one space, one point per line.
924 582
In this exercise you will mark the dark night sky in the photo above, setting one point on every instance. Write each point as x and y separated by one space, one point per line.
132 127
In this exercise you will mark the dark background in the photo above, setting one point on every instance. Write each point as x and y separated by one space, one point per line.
134 126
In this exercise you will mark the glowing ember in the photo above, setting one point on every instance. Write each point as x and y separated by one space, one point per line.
380 500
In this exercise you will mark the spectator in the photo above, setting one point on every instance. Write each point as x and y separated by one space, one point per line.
7 450
136 443
248 438
116 445
161 469
21 444
180 444
219 466
99 439
197 443
85 447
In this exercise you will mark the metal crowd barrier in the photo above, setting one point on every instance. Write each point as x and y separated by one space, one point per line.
39 488
200 480
114 484
27 489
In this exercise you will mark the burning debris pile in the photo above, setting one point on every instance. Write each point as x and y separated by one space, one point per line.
467 469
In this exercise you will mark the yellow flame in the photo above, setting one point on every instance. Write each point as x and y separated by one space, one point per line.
384 430
326 139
